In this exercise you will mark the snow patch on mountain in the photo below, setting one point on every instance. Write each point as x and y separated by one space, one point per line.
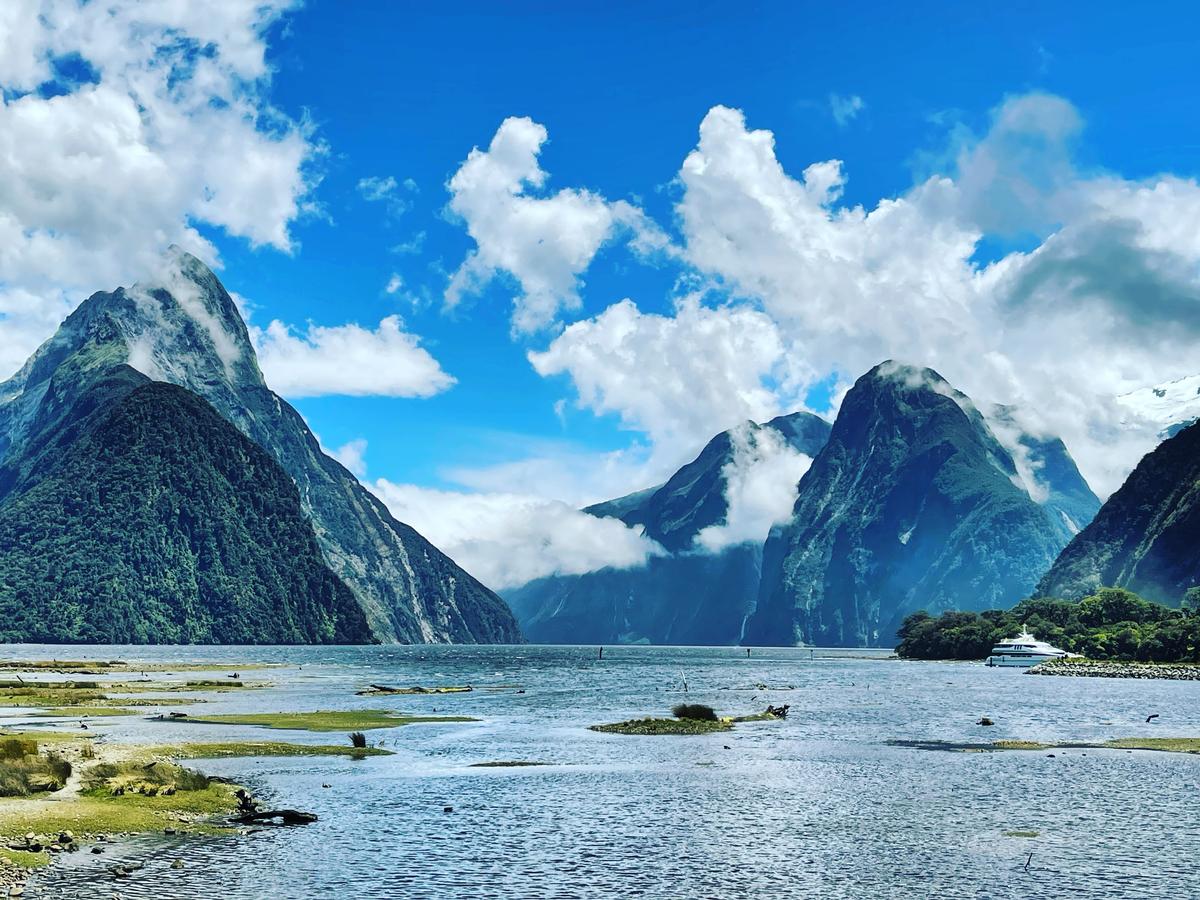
1170 406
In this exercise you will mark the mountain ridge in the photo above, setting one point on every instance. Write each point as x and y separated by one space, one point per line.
1144 537
912 503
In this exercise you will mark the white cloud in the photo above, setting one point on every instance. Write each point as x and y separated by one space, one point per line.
845 109
679 379
761 483
347 360
387 190
96 181
395 283
411 246
352 455
376 188
575 476
546 242
1108 302
506 540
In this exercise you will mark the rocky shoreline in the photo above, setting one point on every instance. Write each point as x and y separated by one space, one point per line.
1091 668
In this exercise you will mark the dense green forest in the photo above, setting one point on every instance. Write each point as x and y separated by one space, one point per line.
162 523
1112 623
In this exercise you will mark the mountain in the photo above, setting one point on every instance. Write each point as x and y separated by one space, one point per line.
689 595
153 520
1172 406
184 329
1056 482
912 504
1145 537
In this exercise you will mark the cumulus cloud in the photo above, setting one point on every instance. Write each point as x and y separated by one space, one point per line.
506 540
1106 303
845 109
544 242
761 484
102 170
347 360
680 378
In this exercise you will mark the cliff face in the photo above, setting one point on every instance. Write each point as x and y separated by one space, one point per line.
1145 537
912 504
184 329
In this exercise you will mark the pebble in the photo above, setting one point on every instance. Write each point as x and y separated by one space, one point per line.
1114 669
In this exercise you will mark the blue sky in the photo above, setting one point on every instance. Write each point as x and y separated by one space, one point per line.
405 91
510 260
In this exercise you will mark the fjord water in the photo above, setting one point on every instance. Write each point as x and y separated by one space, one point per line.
817 805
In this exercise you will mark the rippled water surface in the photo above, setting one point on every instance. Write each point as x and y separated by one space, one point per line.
817 805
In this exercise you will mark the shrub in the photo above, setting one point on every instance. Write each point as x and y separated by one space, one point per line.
17 748
694 711
27 775
358 739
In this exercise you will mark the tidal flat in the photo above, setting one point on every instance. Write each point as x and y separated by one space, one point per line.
515 795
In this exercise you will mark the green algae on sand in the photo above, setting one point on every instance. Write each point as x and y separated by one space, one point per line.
225 749
1160 744
326 720
665 726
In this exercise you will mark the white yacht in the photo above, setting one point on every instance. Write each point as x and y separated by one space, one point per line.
1023 650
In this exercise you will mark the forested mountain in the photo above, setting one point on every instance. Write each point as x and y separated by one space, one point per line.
150 519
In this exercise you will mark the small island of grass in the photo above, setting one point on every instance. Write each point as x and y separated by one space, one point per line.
690 718
415 689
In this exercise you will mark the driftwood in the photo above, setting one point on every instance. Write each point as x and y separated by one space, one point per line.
285 817
249 814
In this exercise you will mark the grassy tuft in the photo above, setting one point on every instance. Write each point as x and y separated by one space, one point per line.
24 858
25 772
694 711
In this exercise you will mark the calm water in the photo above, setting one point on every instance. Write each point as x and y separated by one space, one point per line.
817 805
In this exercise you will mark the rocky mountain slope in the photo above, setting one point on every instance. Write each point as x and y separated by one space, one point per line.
150 519
913 503
184 329
690 594
1145 537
